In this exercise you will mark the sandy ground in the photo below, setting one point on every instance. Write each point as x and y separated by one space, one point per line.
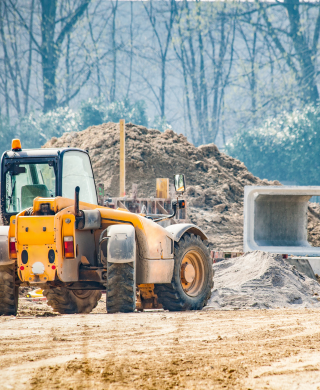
256 349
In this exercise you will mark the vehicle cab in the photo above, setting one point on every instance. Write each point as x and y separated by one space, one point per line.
28 173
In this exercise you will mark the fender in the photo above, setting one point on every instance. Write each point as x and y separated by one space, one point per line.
178 230
4 246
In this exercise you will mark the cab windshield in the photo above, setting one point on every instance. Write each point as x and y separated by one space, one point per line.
77 171
24 182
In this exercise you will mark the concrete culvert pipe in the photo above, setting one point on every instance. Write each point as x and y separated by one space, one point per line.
276 219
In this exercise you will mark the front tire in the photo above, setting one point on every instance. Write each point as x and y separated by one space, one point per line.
66 301
121 288
192 279
9 292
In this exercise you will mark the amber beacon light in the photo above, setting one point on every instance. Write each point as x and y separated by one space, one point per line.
16 145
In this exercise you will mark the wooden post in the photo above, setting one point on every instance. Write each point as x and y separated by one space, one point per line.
122 158
162 188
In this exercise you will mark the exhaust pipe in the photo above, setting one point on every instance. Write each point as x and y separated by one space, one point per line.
85 219
77 212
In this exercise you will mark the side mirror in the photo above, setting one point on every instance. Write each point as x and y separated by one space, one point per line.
179 183
17 170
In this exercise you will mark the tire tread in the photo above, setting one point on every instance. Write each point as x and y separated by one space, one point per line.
64 301
9 292
169 295
121 289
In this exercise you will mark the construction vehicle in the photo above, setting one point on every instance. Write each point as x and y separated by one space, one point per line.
56 237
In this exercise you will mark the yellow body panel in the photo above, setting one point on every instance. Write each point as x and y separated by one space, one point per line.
36 253
154 241
68 228
35 230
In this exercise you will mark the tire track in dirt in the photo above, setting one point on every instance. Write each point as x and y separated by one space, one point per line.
199 350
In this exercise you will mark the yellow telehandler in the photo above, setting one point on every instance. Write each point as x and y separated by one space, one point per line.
56 237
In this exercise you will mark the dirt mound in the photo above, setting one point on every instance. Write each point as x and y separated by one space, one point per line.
260 280
314 224
215 181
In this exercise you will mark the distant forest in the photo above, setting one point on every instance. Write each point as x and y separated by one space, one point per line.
209 69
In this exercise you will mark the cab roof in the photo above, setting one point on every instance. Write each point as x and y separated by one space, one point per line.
43 152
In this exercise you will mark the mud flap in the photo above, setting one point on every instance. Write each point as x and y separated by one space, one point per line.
121 244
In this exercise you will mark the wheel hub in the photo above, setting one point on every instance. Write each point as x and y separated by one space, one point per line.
188 273
192 273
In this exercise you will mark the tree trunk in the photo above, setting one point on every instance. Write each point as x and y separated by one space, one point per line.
28 74
163 87
48 54
114 52
131 48
203 92
8 64
217 78
304 53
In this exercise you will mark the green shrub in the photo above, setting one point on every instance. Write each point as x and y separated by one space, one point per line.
286 148
7 133
134 113
36 130
95 111
92 113
160 124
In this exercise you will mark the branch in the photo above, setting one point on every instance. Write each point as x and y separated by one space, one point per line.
8 63
169 28
151 87
75 93
153 24
316 35
74 19
276 40
24 24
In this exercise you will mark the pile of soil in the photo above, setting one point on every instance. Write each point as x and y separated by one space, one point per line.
260 280
215 181
314 224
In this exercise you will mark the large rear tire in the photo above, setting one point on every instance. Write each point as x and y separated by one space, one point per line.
192 279
9 292
121 288
66 301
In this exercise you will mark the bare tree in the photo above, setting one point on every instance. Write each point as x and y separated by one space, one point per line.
114 52
250 38
131 49
49 47
302 59
204 41
10 65
161 18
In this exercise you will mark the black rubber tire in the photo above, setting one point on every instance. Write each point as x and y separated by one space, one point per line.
171 295
121 288
66 301
9 292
